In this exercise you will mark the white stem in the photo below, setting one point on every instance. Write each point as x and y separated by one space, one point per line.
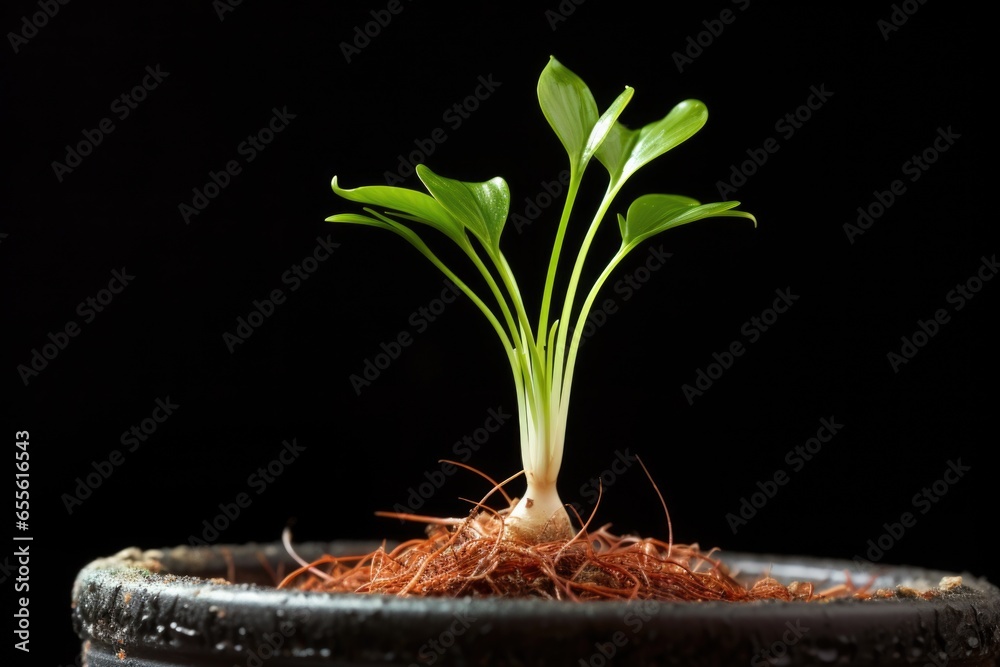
539 516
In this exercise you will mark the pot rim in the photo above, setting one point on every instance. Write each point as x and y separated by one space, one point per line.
155 603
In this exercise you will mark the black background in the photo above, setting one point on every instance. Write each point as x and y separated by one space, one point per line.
162 336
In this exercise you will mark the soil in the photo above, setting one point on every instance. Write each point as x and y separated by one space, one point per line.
470 557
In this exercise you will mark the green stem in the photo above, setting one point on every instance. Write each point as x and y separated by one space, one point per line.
578 333
495 289
557 377
574 186
417 242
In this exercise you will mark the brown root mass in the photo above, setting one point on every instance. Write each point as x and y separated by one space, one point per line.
469 558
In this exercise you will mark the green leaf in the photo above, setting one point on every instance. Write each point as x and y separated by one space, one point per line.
606 124
616 149
418 206
569 107
382 222
480 207
355 218
651 214
358 219
624 151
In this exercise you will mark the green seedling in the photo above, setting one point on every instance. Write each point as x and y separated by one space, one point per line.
543 352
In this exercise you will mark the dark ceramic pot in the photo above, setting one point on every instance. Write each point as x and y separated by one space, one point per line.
173 607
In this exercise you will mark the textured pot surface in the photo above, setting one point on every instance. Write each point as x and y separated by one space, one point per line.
173 607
